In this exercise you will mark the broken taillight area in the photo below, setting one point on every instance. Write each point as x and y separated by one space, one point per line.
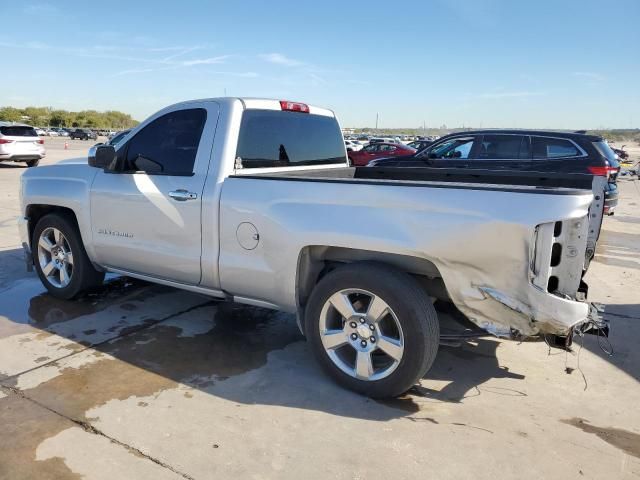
558 256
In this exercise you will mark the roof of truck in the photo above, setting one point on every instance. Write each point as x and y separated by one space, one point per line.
260 103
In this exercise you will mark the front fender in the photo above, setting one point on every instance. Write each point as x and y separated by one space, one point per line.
62 185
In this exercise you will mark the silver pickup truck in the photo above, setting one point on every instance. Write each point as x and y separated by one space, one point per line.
254 201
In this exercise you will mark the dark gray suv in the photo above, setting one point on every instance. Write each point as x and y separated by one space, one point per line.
83 134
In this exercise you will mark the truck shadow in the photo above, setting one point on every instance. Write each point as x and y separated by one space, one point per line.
239 353
622 343
12 165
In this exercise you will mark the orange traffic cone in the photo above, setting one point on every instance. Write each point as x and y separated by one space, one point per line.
66 145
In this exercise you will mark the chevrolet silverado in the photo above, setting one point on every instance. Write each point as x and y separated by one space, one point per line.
254 201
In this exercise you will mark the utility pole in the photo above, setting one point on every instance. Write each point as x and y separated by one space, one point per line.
376 122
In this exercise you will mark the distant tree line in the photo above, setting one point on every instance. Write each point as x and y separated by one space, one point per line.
44 116
619 135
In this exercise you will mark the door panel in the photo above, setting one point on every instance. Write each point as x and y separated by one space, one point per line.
149 222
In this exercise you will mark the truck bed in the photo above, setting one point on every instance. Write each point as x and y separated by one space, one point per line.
477 179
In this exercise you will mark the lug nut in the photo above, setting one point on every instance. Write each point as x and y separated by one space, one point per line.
353 324
362 320
372 328
372 339
354 336
363 343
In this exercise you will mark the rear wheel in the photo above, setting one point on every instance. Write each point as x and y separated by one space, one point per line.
372 328
60 258
32 163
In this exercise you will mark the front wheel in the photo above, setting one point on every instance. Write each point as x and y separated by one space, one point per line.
372 328
60 257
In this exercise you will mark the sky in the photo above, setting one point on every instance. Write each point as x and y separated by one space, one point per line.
478 63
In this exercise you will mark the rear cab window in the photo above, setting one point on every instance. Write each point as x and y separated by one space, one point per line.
18 131
273 138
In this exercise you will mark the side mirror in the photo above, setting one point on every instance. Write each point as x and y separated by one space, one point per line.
103 156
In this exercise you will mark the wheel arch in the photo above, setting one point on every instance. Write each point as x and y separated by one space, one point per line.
315 261
35 211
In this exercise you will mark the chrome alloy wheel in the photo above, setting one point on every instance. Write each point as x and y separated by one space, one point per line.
361 334
55 257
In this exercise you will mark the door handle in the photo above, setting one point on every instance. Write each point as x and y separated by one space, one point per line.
183 195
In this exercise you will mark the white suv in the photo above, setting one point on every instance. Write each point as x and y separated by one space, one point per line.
20 143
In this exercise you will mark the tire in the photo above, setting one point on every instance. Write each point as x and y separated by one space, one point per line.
80 273
411 314
33 163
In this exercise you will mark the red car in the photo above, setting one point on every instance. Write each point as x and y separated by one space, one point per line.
378 150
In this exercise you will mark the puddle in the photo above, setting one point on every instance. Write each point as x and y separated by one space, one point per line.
48 327
238 340
45 310
624 440
27 304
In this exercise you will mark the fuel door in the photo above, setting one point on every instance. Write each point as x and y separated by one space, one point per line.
247 235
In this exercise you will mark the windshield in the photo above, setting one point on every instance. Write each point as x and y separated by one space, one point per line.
272 138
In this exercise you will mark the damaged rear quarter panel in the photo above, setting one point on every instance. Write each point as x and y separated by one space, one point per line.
477 237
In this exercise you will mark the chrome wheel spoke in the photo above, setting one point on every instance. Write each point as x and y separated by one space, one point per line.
64 276
377 309
342 304
332 339
55 257
391 347
49 268
45 243
364 366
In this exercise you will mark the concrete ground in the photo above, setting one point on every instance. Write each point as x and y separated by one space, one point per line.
146 382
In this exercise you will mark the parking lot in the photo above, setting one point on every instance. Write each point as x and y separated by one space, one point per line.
144 381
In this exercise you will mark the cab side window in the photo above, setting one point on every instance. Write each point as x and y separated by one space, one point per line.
168 145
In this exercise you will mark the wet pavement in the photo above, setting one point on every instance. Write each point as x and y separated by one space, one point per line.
142 381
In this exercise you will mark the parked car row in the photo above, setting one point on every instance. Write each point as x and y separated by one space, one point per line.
52 132
68 131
